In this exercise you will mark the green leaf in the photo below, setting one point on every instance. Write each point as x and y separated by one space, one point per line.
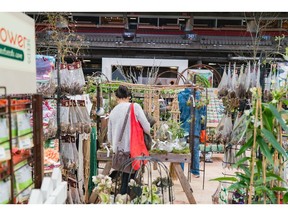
279 189
261 188
278 117
245 169
259 168
269 174
270 137
241 135
267 118
268 179
233 179
235 186
105 198
272 196
241 161
270 193
285 198
285 102
243 177
247 145
264 149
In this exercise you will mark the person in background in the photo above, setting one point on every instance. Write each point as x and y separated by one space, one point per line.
163 103
185 99
115 124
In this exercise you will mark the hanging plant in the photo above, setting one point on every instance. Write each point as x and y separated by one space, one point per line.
262 179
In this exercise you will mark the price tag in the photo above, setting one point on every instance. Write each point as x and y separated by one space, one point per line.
25 142
2 153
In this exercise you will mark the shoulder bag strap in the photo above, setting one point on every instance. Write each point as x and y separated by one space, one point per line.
124 124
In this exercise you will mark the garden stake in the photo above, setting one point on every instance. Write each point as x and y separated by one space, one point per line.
254 147
276 155
264 161
275 161
280 159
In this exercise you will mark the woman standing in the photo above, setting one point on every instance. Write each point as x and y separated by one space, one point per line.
117 129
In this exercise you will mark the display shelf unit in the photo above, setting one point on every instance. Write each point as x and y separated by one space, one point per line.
215 112
21 159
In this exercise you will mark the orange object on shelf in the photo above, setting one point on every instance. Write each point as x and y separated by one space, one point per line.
3 102
18 105
3 105
20 155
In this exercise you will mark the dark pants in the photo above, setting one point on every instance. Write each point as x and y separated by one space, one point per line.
125 180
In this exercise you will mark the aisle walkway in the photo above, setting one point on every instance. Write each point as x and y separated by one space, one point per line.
213 170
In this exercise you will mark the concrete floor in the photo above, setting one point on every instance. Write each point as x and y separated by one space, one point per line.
202 196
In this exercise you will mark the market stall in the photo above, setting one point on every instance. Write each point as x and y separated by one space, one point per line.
252 134
21 158
174 159
168 144
21 147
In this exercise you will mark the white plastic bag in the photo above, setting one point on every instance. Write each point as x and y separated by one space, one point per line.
227 126
234 81
64 116
77 80
64 79
224 129
69 153
248 77
253 76
240 87
239 130
229 78
222 87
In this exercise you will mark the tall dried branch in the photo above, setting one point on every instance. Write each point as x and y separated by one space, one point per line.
58 37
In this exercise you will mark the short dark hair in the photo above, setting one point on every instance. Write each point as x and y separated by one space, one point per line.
122 92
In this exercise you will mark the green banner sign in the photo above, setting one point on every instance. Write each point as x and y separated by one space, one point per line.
12 53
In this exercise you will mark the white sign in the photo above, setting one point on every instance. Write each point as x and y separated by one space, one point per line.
17 53
107 64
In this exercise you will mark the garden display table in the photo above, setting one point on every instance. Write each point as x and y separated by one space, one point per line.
174 159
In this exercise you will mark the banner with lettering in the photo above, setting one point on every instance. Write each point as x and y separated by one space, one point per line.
17 53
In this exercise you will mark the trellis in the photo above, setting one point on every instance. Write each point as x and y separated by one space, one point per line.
151 95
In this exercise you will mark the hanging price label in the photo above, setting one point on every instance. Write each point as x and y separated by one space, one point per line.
25 142
2 153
